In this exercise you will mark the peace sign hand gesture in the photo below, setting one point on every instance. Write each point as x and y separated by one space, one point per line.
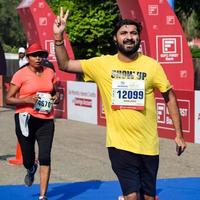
60 24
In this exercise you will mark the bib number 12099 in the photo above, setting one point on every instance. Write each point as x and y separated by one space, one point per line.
130 94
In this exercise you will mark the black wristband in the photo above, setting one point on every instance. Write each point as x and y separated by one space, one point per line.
58 40
59 43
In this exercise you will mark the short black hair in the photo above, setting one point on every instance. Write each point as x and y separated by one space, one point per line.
122 22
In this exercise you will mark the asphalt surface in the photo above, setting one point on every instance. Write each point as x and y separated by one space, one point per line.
79 154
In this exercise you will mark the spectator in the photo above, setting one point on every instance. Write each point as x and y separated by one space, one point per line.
22 57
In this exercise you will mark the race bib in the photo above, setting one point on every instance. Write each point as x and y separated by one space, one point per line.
128 94
44 103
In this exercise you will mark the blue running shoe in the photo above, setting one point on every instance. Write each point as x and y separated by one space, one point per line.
29 178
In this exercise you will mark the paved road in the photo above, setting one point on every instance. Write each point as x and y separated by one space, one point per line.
79 154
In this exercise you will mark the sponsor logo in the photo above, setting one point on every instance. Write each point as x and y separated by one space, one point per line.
164 119
49 45
82 102
153 10
43 21
169 49
170 20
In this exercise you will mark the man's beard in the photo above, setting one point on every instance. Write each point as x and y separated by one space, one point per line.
128 52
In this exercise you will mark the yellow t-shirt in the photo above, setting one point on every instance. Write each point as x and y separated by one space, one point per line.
130 130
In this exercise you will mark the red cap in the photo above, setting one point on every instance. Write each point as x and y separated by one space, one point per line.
35 47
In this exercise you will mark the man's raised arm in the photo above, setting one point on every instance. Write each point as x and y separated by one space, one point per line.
64 62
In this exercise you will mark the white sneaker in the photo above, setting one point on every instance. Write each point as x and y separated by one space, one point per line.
120 198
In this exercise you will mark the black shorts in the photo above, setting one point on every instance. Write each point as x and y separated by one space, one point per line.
135 172
40 130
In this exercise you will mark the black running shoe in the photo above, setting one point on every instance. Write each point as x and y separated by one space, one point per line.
29 178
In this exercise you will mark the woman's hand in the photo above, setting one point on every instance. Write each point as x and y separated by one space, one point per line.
31 99
56 98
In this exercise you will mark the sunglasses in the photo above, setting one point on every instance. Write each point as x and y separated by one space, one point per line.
38 54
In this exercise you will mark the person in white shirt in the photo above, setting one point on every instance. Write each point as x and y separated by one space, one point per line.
22 57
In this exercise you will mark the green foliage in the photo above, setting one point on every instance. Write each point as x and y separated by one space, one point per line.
89 25
11 36
195 51
10 49
188 14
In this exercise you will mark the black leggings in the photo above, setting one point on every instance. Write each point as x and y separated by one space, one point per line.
40 130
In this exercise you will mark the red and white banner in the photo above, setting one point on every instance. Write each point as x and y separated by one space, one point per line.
101 114
186 108
162 38
197 117
61 107
37 19
82 101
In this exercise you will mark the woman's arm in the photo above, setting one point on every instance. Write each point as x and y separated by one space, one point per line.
55 94
13 99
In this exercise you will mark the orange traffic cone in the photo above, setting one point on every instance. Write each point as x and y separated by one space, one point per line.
17 160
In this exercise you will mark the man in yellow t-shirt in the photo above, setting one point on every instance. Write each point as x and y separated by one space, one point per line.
127 82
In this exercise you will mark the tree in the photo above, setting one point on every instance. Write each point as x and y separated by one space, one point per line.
90 25
188 13
12 35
